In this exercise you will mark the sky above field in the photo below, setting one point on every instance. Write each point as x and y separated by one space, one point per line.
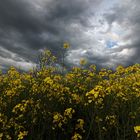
105 32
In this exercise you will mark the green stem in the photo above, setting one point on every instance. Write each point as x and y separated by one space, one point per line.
90 127
100 136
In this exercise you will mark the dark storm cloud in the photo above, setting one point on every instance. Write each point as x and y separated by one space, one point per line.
18 27
25 28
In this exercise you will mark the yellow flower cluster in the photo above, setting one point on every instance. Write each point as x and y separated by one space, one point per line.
137 131
76 136
21 135
68 112
80 125
95 93
111 120
59 119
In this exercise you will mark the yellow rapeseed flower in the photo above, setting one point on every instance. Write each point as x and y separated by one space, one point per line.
137 131
21 135
66 45
48 80
57 118
83 61
80 125
1 135
76 136
68 112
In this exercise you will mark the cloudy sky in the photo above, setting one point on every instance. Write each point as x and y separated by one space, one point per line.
105 32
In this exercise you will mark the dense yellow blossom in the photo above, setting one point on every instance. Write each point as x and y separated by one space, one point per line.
83 103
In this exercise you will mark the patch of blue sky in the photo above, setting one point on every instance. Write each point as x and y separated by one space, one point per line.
111 43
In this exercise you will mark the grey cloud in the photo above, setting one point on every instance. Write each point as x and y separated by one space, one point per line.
127 15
